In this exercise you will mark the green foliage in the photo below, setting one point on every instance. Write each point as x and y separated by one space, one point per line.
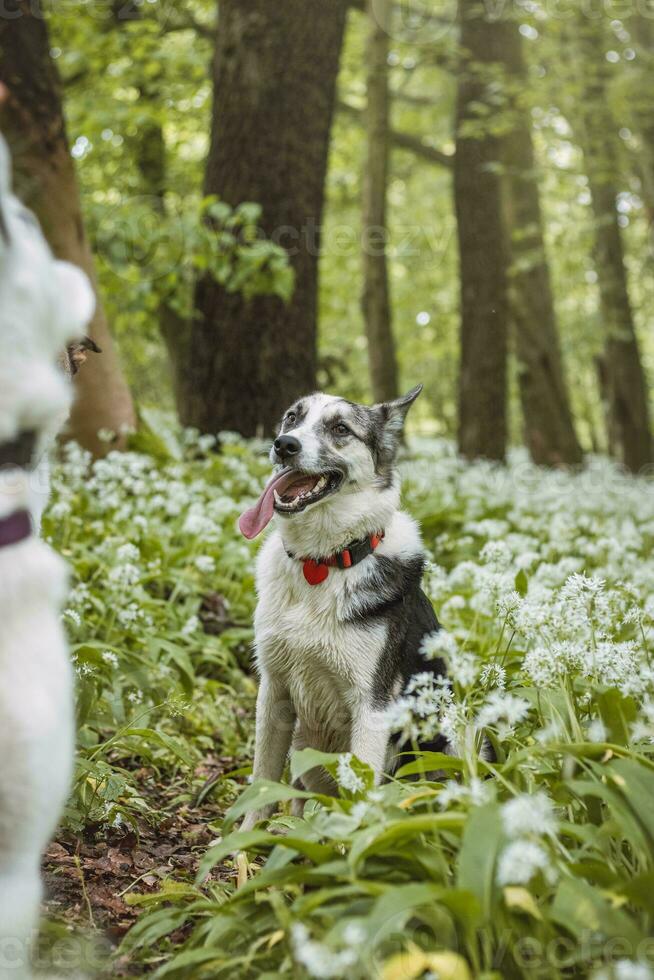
537 865
137 93
175 250
156 562
129 82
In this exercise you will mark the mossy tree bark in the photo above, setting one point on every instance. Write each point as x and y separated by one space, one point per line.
376 301
239 363
33 122
548 427
483 252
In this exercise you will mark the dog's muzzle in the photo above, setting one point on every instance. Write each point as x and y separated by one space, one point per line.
286 447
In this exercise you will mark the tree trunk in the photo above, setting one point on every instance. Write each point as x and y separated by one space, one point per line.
376 294
612 440
625 379
641 107
548 427
35 127
483 254
242 362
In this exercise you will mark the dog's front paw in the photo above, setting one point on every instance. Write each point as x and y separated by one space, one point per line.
252 818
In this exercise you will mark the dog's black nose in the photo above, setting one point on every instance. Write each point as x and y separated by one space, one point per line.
286 446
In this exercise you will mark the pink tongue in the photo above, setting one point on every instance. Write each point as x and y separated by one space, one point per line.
254 520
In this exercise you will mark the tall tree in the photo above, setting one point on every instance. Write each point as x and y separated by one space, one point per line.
483 252
625 383
34 123
642 72
548 427
240 362
376 293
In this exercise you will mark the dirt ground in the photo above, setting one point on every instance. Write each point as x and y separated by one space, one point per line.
89 878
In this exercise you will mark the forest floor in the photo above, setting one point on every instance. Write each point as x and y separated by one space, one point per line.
93 880
543 582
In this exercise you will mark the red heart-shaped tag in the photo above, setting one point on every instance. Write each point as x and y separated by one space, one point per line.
315 572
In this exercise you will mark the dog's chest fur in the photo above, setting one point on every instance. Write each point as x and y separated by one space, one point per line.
318 641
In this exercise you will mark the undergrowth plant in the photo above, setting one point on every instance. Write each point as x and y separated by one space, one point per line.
538 864
159 613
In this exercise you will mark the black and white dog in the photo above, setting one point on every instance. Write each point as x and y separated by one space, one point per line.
341 613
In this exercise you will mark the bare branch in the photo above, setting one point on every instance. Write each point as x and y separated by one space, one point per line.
413 9
404 141
413 144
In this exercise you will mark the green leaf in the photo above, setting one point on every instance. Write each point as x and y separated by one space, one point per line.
262 793
636 783
391 909
307 759
174 746
156 924
639 890
183 962
478 857
429 762
401 900
381 837
244 840
628 825
618 713
522 582
582 910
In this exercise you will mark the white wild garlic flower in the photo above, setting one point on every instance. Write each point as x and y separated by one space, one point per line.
520 861
346 777
318 959
529 813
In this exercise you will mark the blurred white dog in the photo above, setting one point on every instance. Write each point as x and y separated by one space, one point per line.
43 304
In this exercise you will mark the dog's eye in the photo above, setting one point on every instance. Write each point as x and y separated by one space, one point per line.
340 429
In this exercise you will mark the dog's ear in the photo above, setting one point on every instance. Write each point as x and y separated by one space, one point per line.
394 413
392 416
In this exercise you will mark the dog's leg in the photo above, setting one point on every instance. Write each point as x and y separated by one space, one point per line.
370 735
20 896
275 723
297 805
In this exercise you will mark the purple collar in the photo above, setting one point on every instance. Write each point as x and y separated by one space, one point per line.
15 528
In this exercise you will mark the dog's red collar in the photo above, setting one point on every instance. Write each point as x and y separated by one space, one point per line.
316 571
15 528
